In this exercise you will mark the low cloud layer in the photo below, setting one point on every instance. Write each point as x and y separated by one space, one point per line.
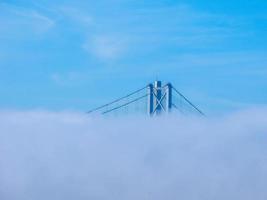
72 156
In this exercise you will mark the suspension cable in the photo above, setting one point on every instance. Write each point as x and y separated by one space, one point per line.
176 107
188 101
125 104
117 100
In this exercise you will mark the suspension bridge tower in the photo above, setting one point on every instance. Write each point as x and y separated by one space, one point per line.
154 99
159 98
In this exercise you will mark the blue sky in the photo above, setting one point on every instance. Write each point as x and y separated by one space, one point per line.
74 55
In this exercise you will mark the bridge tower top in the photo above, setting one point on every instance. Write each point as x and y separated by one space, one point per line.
159 98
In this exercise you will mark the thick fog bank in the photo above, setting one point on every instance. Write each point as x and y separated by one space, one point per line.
67 156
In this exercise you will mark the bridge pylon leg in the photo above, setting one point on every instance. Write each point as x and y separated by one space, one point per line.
150 99
168 97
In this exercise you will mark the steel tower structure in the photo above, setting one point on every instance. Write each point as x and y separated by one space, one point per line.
156 98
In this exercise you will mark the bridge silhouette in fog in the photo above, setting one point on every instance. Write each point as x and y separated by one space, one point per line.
153 99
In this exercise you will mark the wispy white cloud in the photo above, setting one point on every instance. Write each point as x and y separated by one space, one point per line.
78 15
20 22
106 47
147 28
